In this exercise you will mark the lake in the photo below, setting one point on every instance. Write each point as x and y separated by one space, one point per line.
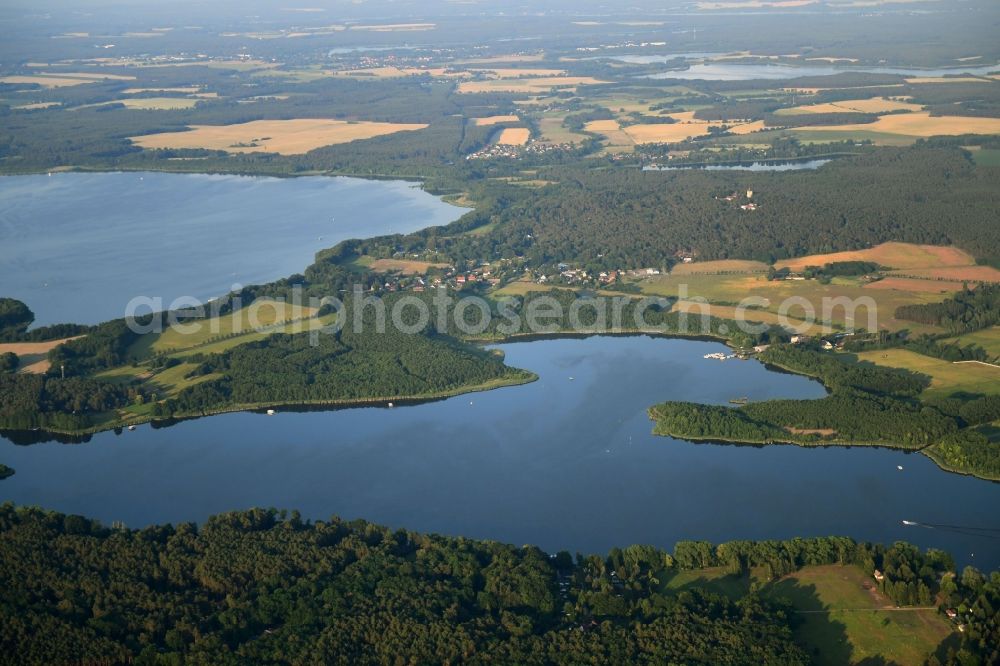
730 71
76 247
567 462
787 165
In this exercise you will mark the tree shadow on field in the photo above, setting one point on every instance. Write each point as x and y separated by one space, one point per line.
823 638
948 645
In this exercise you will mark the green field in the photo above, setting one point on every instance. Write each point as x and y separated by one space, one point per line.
731 289
249 323
988 339
841 621
946 377
845 623
987 157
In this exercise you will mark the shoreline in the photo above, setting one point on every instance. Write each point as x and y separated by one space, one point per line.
333 404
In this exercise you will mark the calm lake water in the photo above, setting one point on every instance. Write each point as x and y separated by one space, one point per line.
729 71
791 165
78 246
562 463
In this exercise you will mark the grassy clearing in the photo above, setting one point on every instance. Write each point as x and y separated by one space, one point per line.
842 618
286 137
988 339
946 378
731 289
404 266
720 266
157 103
845 621
665 132
494 120
892 255
617 140
987 157
33 356
552 130
247 321
714 579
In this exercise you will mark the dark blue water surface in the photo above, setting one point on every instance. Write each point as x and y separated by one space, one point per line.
76 247
562 463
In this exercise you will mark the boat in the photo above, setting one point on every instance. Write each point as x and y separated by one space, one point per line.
899 467
131 427
740 401
391 405
271 412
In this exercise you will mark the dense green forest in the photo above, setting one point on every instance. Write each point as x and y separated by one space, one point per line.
920 195
341 367
968 310
75 403
267 587
867 405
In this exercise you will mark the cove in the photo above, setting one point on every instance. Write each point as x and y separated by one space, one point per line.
76 247
567 462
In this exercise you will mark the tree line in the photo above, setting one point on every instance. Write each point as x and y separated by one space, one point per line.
264 586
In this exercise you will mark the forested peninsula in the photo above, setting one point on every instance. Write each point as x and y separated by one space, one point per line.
867 405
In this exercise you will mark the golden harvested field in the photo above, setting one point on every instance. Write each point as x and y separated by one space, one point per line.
514 136
493 120
33 356
685 117
404 266
720 266
875 105
665 133
287 137
962 273
157 103
602 126
37 105
748 128
531 85
920 124
945 79
893 255
45 81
